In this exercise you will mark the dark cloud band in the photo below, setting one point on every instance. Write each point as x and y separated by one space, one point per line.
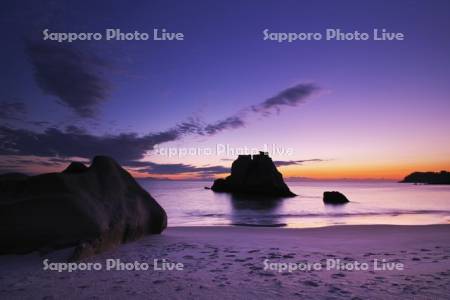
127 148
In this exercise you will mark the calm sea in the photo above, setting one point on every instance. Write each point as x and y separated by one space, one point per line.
187 203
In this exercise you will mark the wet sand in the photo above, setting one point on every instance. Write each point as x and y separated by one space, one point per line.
230 262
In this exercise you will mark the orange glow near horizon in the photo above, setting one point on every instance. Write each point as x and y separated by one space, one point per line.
326 170
332 171
393 171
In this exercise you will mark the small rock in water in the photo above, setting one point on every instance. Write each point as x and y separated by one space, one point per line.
334 197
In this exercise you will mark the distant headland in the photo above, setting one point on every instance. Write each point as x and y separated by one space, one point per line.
442 177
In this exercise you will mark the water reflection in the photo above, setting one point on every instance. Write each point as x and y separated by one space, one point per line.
188 204
250 210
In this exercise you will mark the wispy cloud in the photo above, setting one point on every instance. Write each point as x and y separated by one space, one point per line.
76 142
12 110
282 163
125 147
292 96
228 123
165 169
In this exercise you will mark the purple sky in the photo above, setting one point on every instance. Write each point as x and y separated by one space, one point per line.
377 109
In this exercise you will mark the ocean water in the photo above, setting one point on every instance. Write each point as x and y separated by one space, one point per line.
187 203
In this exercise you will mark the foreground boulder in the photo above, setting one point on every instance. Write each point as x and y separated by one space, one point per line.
257 175
334 198
93 208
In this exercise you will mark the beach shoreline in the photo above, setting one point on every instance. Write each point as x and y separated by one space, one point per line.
235 263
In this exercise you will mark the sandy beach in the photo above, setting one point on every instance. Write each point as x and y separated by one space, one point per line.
242 262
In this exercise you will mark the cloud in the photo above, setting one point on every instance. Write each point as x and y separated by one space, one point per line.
152 168
196 126
12 110
16 163
39 123
130 147
191 126
282 163
75 142
164 169
289 97
228 123
68 74
22 163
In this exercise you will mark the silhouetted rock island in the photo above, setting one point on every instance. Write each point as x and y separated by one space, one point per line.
257 175
92 208
442 177
334 197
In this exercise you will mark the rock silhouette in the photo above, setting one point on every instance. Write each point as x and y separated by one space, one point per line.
93 208
442 177
334 197
257 175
